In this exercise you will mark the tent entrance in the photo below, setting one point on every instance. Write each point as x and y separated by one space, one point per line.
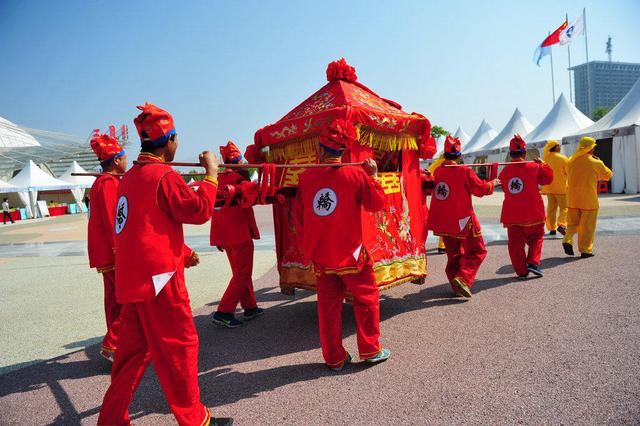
604 151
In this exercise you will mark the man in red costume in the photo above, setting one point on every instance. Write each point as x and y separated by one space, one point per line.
451 217
233 230
101 235
330 202
523 209
157 323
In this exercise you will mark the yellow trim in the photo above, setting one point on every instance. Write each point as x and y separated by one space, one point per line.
387 141
211 180
207 417
339 363
293 149
370 354
106 349
524 224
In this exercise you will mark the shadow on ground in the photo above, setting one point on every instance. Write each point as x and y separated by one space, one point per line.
289 326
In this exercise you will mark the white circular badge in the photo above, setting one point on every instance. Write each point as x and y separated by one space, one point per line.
515 186
122 212
325 202
441 191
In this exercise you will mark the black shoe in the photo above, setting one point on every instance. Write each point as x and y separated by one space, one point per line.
250 314
535 270
568 249
552 232
221 421
225 320
586 255
523 277
562 230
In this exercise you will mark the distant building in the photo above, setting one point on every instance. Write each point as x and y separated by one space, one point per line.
608 81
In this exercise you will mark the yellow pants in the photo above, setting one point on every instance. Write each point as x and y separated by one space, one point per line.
582 222
440 243
555 202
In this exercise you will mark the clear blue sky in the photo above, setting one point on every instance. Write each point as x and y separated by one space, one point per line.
225 69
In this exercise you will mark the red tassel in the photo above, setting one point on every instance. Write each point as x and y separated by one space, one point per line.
341 70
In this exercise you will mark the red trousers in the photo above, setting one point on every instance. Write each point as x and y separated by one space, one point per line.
519 236
159 330
111 311
464 257
366 307
240 288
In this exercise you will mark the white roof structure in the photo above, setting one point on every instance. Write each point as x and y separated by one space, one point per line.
33 178
625 114
6 187
462 135
481 137
80 181
563 119
12 136
518 123
440 145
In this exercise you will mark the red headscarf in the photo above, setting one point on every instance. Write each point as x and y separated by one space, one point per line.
517 144
338 135
105 147
156 123
230 153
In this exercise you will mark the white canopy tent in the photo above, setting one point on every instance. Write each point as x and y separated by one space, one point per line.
518 123
481 137
563 119
622 126
6 188
463 136
82 182
33 179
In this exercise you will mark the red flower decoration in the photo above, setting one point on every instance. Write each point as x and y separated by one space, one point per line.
341 70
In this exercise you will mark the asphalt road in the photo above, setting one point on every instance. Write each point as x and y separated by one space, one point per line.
562 349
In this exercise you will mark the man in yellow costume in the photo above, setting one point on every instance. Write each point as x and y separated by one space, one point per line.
556 191
584 172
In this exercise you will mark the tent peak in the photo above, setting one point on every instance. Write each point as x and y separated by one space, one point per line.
341 70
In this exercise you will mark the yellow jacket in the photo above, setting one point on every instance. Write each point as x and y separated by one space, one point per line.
584 174
558 163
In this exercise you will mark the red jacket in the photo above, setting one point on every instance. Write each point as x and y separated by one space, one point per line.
101 236
329 205
523 203
153 203
232 225
451 211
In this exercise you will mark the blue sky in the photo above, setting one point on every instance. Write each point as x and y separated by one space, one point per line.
225 69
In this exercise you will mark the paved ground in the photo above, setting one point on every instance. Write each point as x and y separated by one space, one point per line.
562 349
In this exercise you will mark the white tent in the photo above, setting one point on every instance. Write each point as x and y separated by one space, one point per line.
12 136
481 137
462 135
516 124
439 145
34 179
563 119
622 126
7 188
82 182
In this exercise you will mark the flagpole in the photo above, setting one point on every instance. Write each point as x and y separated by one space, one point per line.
586 48
569 69
553 86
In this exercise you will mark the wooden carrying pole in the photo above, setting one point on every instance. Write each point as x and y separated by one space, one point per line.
249 166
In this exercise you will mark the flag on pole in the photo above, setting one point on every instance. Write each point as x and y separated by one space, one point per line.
545 47
572 31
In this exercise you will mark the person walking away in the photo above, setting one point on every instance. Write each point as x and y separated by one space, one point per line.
6 213
523 208
233 229
329 207
556 191
584 172
451 217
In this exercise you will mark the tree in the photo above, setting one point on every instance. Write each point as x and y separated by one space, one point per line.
598 113
437 131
